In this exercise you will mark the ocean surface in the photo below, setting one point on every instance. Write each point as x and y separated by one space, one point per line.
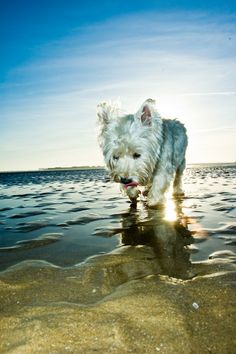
64 217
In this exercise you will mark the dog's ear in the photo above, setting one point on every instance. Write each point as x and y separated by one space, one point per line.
106 111
145 113
103 112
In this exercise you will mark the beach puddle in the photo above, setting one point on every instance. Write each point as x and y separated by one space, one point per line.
97 274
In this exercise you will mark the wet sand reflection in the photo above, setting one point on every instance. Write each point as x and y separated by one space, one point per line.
167 238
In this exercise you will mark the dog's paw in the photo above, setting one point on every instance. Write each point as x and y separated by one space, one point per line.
178 193
155 204
155 199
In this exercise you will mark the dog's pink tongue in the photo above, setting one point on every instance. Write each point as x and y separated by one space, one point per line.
131 184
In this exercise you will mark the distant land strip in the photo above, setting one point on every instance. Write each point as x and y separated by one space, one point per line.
72 168
206 164
76 168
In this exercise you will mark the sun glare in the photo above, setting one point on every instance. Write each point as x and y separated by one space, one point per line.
170 207
170 106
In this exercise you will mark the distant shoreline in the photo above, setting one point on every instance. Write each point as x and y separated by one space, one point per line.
84 168
72 168
211 164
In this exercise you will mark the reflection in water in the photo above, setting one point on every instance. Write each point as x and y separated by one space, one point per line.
168 238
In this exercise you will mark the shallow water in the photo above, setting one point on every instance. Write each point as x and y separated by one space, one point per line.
83 271
64 217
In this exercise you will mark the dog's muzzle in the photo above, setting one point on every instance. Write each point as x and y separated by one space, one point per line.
128 182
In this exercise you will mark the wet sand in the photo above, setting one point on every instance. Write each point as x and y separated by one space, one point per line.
118 303
147 281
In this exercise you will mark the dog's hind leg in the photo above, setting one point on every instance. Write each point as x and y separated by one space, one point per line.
178 189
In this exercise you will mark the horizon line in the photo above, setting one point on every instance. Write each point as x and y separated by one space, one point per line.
58 168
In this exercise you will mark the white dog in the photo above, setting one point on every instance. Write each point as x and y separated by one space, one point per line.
142 150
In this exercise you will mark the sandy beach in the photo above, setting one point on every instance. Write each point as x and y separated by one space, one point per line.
83 272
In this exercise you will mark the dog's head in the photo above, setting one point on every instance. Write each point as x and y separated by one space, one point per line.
130 143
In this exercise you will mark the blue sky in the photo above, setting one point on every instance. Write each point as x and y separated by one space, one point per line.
60 58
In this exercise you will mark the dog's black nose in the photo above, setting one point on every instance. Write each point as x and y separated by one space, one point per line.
125 180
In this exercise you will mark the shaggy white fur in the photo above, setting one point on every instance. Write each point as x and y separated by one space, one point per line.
142 150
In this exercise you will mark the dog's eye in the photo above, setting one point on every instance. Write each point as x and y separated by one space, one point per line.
115 157
136 155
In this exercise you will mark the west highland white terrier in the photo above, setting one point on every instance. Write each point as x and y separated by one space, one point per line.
142 149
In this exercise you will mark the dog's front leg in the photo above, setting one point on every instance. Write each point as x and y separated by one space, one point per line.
161 183
131 192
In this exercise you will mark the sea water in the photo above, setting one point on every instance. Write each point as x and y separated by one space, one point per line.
64 217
